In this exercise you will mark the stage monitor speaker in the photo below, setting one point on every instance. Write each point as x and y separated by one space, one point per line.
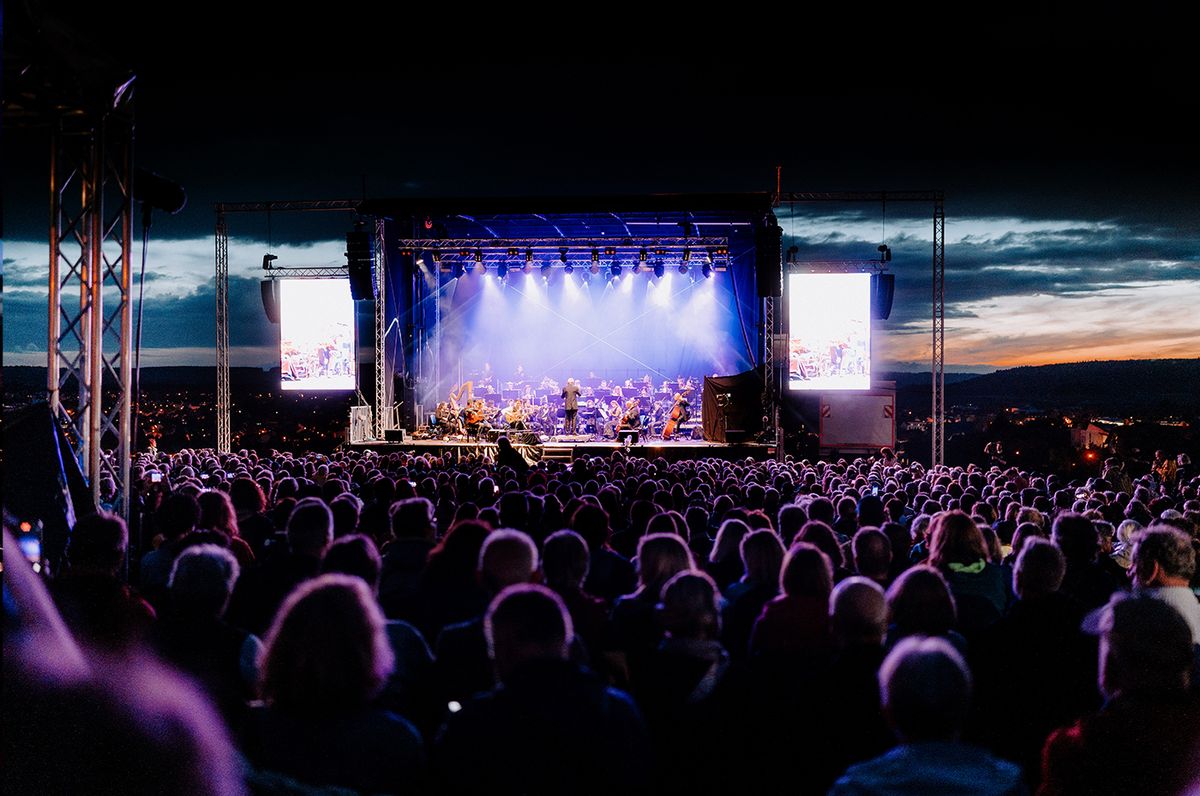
768 259
270 299
883 290
395 435
734 435
362 283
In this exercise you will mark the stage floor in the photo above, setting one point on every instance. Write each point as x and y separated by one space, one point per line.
564 450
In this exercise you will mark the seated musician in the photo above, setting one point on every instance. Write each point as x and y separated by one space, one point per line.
515 415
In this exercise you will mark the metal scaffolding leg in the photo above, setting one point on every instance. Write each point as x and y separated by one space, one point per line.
382 413
91 233
770 376
938 426
224 434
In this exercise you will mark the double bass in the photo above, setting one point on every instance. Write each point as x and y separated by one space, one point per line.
678 416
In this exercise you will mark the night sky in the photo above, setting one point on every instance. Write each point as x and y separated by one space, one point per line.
1071 174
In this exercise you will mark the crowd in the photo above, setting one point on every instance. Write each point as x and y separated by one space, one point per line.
405 623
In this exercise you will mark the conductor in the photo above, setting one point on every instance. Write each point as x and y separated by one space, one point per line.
570 396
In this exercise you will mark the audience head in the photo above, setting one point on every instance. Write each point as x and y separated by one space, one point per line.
954 538
762 557
660 557
1163 556
872 553
807 572
925 690
1040 569
354 555
310 527
919 602
412 518
98 543
508 557
327 652
1145 646
729 540
178 515
524 624
565 560
1076 537
690 606
858 612
202 580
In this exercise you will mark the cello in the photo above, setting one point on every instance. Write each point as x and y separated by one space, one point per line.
677 417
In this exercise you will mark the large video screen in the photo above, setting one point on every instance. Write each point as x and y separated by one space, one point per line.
316 334
829 331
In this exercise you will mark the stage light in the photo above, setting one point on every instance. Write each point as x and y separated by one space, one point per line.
502 270
616 269
456 270
595 255
568 269
464 253
562 255
267 260
885 253
642 256
437 256
722 251
687 255
479 255
595 269
529 256
682 269
512 252
610 251
660 252
706 269
659 270
406 252
546 271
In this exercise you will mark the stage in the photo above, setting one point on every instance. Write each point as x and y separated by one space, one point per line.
567 451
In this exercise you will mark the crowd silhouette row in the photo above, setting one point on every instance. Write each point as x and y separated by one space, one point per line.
400 623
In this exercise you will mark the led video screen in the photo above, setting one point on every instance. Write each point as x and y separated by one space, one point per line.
316 334
829 331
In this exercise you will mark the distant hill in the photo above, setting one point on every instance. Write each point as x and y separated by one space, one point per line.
1163 385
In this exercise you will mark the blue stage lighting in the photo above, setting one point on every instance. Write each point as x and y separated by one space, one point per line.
616 269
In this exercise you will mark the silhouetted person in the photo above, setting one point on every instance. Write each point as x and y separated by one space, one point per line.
462 664
762 560
1144 738
259 592
926 693
1164 562
550 727
1035 669
327 656
97 606
404 555
192 634
1086 580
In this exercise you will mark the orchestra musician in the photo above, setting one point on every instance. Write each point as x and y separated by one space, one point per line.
516 414
679 415
632 419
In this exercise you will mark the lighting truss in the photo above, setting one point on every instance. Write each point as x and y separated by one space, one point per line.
559 252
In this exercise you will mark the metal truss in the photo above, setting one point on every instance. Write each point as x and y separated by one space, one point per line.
770 405
938 322
91 246
308 272
224 432
286 206
382 416
938 427
492 245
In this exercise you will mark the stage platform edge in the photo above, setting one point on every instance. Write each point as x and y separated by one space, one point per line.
671 450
